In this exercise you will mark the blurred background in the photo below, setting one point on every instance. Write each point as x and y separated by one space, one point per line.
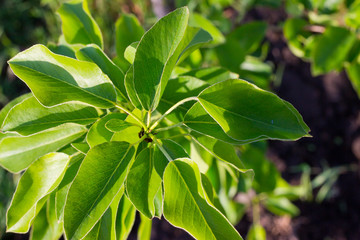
295 48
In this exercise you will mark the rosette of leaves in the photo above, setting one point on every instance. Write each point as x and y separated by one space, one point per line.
96 142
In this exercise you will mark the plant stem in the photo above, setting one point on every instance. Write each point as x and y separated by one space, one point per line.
169 127
132 115
170 110
148 118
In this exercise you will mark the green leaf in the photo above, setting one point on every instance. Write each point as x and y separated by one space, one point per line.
128 30
77 24
18 152
230 54
200 121
256 232
42 177
130 88
281 206
178 89
197 20
295 34
211 75
93 53
156 56
30 116
248 113
64 186
185 205
98 133
64 49
105 228
144 231
249 42
117 125
143 182
5 110
55 79
219 149
331 49
130 52
44 227
353 71
125 218
89 198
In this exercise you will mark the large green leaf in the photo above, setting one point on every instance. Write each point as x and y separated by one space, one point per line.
128 30
331 49
55 79
200 121
89 197
185 205
156 56
30 116
98 133
125 218
143 182
18 152
246 112
77 24
5 110
94 54
42 177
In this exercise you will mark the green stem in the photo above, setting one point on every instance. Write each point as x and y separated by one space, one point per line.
170 110
148 118
169 127
132 115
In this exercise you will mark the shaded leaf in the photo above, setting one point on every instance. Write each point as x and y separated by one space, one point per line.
125 218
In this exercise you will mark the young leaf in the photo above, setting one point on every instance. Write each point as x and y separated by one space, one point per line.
93 53
30 116
89 198
281 206
98 133
125 218
18 152
42 177
246 112
256 232
55 79
156 56
117 125
143 182
331 49
77 24
185 205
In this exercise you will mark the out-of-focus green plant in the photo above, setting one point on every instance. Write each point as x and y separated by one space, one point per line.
326 33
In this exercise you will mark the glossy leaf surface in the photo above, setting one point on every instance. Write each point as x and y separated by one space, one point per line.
55 79
89 198
38 181
18 152
30 116
77 24
156 56
246 112
185 205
